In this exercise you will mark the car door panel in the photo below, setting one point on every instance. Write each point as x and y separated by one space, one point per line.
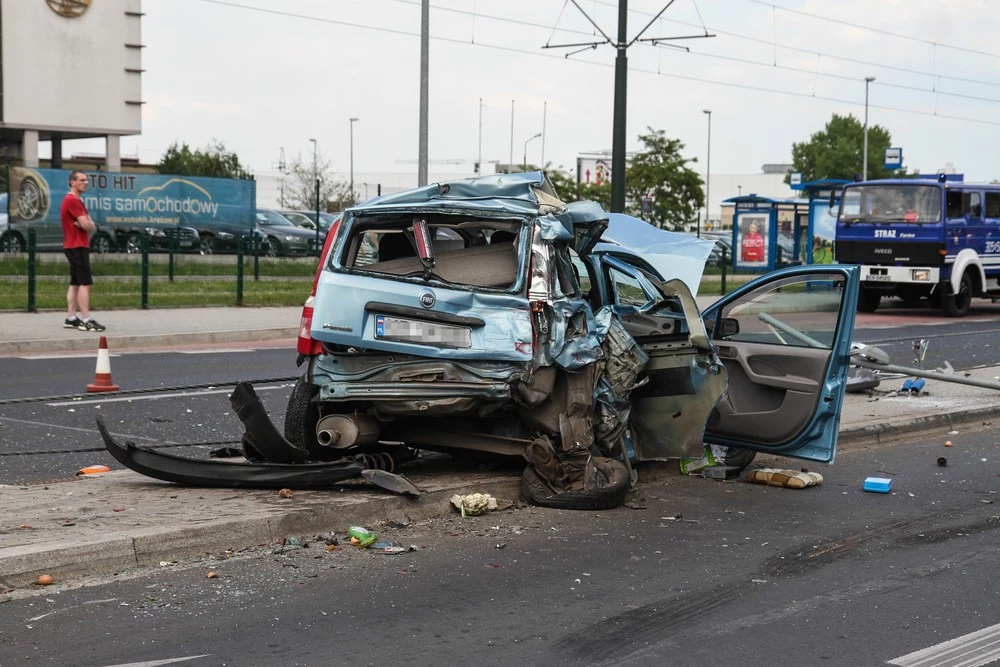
787 360
769 393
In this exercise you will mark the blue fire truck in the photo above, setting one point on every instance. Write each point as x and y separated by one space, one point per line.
920 238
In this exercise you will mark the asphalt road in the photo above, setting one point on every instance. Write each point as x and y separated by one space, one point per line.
203 414
693 572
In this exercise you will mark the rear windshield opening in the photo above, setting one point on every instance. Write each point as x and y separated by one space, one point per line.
467 252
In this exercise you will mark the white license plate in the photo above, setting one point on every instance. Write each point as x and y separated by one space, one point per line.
878 277
423 333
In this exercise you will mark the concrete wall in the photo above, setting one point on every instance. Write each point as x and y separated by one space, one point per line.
78 74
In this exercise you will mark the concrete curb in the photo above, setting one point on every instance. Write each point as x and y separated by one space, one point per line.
88 342
314 512
884 433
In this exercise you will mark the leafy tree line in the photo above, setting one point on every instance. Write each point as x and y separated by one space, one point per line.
658 176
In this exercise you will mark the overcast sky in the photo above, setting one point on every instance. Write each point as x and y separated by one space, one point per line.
263 80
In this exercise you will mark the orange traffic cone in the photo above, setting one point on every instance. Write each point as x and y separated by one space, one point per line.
102 376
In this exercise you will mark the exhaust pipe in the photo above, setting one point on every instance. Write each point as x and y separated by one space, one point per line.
343 431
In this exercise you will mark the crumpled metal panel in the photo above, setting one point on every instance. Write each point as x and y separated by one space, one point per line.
686 381
673 255
574 338
500 192
553 229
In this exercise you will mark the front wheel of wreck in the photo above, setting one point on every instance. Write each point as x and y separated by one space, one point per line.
609 495
301 417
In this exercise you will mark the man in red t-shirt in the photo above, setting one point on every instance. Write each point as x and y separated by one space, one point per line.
77 225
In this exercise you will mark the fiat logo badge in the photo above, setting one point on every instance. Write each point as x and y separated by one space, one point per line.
427 300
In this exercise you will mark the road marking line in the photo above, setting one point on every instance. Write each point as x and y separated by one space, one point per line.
972 650
226 351
45 357
74 428
157 663
151 397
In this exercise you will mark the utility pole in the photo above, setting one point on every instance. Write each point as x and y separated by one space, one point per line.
510 162
316 174
425 22
864 163
545 110
281 170
479 162
621 83
619 135
708 171
353 121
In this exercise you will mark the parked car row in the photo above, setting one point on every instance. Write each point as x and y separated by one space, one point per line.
274 234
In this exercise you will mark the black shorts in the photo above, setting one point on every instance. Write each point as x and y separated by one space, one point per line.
79 266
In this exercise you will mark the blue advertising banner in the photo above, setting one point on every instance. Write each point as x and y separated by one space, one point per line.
134 199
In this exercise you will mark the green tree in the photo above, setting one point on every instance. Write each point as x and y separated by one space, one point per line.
659 174
213 161
837 151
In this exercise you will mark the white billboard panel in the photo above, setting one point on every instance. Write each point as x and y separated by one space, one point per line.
72 71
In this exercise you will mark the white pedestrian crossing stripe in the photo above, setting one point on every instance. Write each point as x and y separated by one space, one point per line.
972 650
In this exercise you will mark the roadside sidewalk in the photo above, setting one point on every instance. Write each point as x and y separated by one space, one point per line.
37 333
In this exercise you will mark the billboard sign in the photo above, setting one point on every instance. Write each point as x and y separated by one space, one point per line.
133 199
593 170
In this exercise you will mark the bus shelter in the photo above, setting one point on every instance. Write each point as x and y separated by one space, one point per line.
823 196
769 232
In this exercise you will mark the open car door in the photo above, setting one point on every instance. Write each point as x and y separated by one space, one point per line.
785 340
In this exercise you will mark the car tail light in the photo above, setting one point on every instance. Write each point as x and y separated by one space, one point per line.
307 344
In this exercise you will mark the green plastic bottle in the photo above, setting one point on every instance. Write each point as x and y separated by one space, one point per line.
364 536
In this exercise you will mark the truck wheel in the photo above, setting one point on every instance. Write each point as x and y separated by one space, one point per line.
301 416
957 305
868 300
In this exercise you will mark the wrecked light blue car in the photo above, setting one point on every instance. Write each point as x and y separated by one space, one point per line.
487 316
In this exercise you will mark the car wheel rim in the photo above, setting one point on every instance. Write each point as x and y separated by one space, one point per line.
206 247
29 200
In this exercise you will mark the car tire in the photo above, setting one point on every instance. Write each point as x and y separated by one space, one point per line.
957 305
12 242
101 243
301 416
868 300
537 492
207 245
273 247
737 457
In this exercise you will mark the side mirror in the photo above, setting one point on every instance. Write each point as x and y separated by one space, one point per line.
728 326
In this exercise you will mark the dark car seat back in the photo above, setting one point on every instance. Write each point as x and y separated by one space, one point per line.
394 246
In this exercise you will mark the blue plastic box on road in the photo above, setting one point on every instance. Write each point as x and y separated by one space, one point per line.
878 484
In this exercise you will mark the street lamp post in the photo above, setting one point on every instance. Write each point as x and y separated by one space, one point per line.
708 171
524 167
864 162
353 120
316 175
479 162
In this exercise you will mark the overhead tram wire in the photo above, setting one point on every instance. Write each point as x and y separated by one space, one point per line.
823 54
831 56
879 31
510 49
